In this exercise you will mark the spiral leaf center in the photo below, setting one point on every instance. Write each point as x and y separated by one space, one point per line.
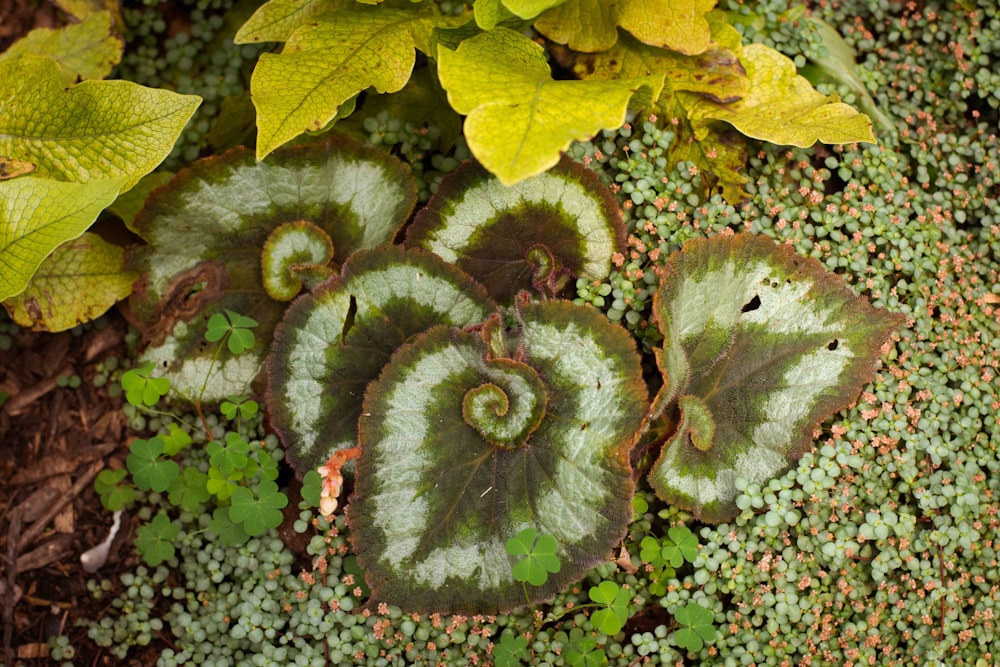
507 410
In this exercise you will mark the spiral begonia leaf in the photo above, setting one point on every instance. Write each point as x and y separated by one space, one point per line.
760 346
291 247
206 232
533 234
336 339
435 503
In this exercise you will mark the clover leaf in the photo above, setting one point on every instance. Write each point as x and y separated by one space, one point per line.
229 532
539 556
697 628
679 545
155 540
613 615
257 511
188 489
141 389
237 327
241 405
510 650
113 491
230 457
149 470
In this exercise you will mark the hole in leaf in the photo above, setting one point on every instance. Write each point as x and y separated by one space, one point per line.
352 310
752 304
833 345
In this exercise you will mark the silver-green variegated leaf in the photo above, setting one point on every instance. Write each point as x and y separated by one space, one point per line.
462 448
336 339
292 248
760 346
532 235
206 231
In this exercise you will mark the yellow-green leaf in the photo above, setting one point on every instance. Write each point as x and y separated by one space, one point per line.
716 73
529 9
85 50
276 20
95 130
38 214
591 26
490 13
678 25
519 118
78 282
582 25
329 61
783 107
81 9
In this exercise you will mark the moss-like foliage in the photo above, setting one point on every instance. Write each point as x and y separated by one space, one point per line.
336 339
534 235
760 345
466 440
206 231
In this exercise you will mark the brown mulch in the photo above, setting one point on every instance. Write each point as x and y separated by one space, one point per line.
53 442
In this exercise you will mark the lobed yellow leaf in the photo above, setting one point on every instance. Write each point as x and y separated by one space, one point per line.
38 214
783 107
77 283
275 21
518 118
678 25
329 61
95 130
85 50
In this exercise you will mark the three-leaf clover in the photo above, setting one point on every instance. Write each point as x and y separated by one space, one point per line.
155 540
241 405
141 389
697 627
231 457
539 556
237 327
113 492
680 545
229 532
149 470
510 650
257 511
581 651
613 615
189 490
